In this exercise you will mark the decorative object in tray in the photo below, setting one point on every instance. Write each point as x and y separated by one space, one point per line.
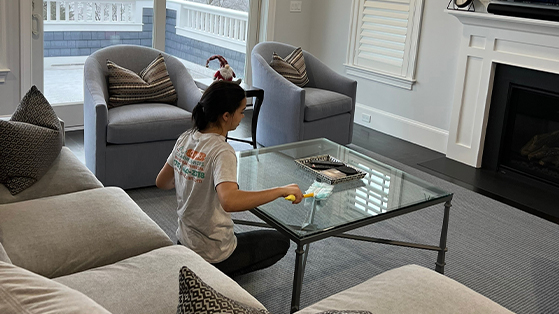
329 169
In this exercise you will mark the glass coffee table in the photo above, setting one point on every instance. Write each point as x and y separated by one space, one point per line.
382 193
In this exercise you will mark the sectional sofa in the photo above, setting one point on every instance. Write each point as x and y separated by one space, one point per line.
70 245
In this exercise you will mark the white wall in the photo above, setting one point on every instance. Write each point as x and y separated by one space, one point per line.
293 27
10 90
421 115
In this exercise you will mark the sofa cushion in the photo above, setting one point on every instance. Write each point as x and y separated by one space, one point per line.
195 296
31 141
152 84
3 255
22 291
66 174
148 283
77 231
292 67
322 103
146 123
409 289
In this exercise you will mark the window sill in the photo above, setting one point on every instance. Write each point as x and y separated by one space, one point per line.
375 76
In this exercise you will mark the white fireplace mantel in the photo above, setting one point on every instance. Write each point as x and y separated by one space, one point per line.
487 40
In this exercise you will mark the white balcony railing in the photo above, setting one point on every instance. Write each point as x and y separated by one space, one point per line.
99 15
211 24
219 26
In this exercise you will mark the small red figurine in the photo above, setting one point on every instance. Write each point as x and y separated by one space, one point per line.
225 72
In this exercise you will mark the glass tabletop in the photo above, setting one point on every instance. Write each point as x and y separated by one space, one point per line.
383 190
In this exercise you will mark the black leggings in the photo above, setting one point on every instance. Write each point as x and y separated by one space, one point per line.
255 250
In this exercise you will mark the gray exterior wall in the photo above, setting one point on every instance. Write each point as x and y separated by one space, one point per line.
198 52
75 43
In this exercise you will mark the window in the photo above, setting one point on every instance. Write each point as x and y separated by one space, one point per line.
384 41
3 40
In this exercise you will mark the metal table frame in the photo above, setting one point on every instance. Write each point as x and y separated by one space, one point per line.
303 243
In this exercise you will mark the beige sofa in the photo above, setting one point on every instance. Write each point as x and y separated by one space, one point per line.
70 245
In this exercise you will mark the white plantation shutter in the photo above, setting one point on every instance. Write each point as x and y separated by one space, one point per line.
384 38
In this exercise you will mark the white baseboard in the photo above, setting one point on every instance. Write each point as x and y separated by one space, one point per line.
403 128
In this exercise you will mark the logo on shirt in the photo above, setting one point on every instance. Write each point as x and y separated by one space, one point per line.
190 164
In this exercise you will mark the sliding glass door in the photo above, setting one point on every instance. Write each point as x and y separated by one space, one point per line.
192 30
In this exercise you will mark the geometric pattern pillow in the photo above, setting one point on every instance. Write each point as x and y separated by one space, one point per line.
152 84
29 142
195 296
345 312
292 67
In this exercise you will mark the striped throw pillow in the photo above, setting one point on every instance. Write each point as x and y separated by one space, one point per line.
152 84
292 67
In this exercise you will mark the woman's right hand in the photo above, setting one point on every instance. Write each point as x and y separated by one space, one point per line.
293 189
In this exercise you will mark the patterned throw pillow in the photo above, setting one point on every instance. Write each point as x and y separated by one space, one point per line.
152 84
344 312
195 296
29 142
292 67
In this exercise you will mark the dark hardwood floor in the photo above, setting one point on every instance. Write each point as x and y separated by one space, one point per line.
534 198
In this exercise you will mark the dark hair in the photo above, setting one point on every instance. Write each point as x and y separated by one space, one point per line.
220 97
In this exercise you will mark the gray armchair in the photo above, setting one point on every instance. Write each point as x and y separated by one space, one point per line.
126 146
323 108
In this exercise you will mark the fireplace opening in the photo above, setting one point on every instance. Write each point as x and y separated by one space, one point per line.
531 137
522 132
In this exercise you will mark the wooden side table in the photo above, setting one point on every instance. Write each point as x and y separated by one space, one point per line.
250 91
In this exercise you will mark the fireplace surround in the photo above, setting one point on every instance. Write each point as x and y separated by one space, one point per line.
488 44
489 40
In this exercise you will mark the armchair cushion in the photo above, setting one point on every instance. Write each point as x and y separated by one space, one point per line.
31 141
292 67
146 123
322 103
152 84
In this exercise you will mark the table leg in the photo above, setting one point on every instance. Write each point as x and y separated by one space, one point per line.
442 244
259 97
297 278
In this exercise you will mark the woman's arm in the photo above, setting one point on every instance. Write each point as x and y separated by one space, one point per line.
234 200
166 178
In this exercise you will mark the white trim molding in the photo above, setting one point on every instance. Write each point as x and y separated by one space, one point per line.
385 78
3 43
488 40
25 31
401 127
384 40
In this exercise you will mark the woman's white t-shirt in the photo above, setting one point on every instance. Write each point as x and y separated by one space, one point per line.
202 161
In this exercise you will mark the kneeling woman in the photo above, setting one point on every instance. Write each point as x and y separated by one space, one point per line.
203 169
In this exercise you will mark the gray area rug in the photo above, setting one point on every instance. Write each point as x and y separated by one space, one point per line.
497 250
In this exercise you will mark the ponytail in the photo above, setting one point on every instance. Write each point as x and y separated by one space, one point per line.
220 97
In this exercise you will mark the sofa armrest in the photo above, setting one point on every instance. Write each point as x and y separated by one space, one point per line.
67 174
77 231
409 289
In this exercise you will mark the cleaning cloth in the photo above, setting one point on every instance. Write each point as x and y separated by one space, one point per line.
321 190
